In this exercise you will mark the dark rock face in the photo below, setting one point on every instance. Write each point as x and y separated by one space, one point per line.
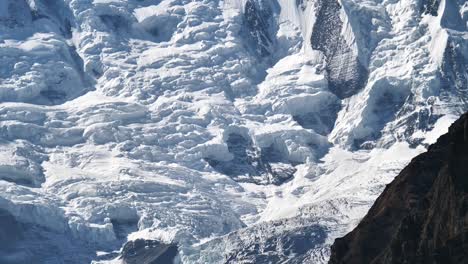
346 75
422 216
258 28
143 251
430 7
250 164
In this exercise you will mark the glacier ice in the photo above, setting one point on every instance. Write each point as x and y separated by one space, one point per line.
238 130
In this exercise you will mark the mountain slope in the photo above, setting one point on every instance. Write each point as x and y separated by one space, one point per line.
421 217
205 124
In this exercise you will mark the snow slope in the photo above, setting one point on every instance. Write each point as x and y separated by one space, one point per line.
240 130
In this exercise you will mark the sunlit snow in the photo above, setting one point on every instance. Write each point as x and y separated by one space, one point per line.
122 120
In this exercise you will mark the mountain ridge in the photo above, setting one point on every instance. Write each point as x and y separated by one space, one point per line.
421 216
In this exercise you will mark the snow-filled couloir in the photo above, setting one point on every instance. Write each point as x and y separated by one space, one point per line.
210 131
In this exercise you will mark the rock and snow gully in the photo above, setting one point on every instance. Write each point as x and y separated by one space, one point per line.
210 131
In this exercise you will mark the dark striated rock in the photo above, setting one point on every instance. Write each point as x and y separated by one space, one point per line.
259 29
345 73
422 216
143 251
430 7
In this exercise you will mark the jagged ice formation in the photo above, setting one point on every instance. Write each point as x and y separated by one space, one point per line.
211 125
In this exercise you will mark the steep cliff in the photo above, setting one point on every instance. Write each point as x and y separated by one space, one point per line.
422 216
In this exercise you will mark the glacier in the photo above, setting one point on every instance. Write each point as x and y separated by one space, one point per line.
235 131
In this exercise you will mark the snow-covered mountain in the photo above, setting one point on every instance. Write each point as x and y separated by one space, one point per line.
235 131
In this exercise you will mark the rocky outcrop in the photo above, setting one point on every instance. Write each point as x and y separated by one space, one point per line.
143 251
345 73
422 216
430 7
258 27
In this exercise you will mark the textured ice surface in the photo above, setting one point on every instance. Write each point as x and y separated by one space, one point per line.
238 130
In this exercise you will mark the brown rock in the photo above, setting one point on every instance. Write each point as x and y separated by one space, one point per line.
422 216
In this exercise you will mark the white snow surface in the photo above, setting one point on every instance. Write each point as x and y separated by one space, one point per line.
110 109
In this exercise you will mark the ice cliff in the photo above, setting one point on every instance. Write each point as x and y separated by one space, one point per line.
223 131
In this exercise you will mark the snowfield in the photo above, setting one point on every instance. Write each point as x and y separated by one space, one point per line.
242 131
